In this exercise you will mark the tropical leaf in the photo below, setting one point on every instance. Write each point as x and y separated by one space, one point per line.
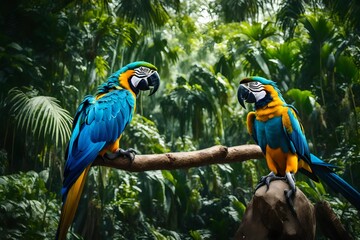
346 10
304 101
319 29
236 11
149 14
26 206
288 15
257 32
346 68
285 59
143 135
40 115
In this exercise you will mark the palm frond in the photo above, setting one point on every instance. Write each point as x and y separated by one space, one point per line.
41 116
150 13
237 11
289 14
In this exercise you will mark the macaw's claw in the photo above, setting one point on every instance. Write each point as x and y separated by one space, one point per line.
128 153
265 180
290 194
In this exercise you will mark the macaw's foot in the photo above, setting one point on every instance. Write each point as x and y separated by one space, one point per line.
290 194
128 153
265 180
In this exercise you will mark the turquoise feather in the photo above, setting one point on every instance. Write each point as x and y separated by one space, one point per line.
274 134
98 123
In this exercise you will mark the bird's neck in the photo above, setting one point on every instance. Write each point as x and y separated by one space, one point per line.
117 81
271 106
105 88
124 82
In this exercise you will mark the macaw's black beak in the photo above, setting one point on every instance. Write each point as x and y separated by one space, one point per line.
244 94
153 82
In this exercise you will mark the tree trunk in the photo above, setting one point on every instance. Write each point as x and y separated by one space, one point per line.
329 223
269 216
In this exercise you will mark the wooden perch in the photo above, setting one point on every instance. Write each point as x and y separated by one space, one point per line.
268 216
213 155
222 154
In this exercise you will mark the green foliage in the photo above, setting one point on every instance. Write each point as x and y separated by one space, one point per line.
40 115
52 54
3 161
305 103
28 209
197 103
236 11
142 134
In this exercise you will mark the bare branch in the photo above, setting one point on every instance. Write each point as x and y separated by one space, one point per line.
175 160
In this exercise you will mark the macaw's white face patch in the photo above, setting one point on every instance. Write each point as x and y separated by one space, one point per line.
135 80
259 95
257 89
141 73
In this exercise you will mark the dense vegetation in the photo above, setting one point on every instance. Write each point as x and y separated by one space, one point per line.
53 53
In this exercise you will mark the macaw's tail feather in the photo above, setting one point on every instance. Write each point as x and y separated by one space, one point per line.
70 205
325 172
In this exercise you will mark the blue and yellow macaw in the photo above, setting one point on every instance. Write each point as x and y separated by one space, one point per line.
276 129
97 128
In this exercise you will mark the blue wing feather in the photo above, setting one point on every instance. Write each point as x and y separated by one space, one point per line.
115 108
320 168
97 124
286 132
90 115
99 113
298 142
325 172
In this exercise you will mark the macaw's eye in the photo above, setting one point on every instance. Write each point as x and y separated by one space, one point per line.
256 86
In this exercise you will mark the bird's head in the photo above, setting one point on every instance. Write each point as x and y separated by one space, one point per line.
258 90
136 77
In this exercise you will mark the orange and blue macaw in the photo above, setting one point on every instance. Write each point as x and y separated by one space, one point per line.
97 128
275 127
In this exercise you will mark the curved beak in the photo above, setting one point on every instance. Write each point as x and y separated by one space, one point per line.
153 82
245 95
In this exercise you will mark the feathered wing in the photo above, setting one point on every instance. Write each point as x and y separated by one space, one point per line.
251 126
97 124
295 133
297 141
318 167
325 172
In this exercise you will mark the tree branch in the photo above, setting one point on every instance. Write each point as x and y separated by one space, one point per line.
329 223
167 161
213 155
